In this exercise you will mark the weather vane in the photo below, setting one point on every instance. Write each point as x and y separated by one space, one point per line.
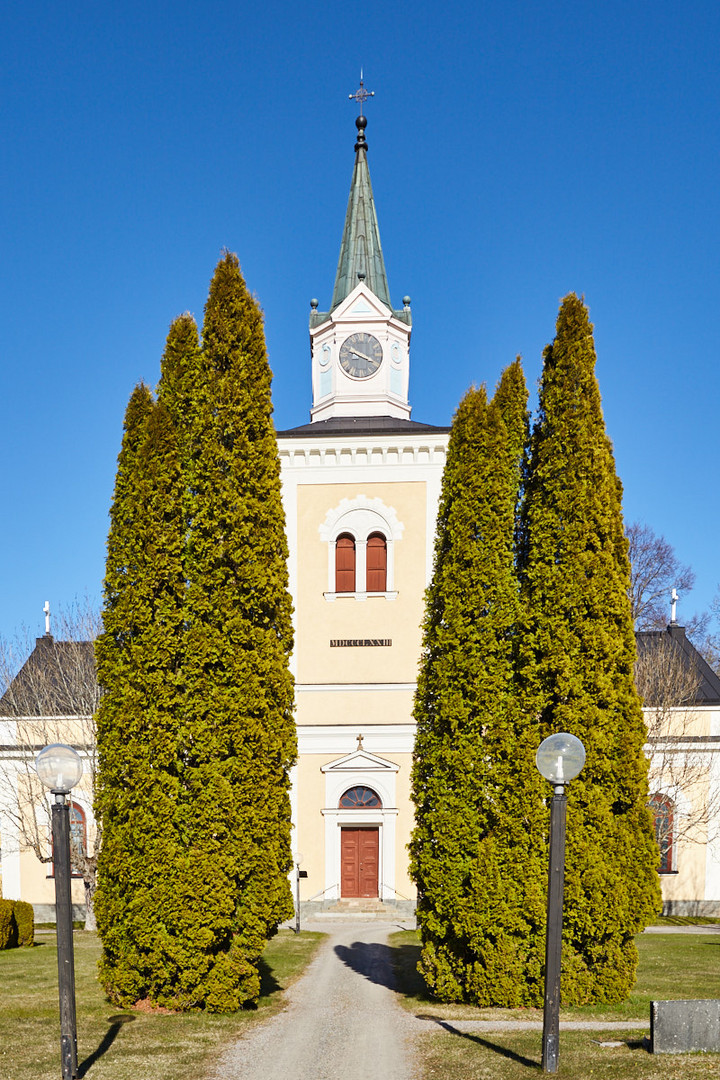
362 94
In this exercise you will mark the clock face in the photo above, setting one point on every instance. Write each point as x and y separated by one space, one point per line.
361 355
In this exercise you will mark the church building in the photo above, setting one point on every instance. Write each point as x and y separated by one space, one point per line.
361 484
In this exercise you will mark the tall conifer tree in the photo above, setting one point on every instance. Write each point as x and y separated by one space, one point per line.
197 735
577 666
474 783
237 741
138 660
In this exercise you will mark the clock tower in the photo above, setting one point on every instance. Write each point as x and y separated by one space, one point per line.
361 346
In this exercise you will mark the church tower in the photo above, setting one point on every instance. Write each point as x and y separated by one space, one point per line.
361 484
360 347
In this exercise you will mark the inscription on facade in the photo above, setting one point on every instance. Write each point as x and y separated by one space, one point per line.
344 643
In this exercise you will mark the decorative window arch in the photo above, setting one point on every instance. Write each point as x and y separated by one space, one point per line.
360 798
662 808
363 520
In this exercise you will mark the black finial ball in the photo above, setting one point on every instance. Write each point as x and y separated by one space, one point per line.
361 123
314 304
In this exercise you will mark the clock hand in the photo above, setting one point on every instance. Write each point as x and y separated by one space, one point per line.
362 356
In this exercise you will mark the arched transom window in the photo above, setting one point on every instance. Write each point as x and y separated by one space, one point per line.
359 798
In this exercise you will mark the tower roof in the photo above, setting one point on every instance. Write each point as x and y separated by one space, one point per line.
361 256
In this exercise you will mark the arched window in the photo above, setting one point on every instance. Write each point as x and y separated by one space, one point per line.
663 811
360 798
78 839
345 564
373 530
376 563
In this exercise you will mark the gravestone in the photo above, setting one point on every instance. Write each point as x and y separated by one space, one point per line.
685 1027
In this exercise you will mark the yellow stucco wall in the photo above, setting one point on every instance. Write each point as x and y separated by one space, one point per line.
354 708
319 621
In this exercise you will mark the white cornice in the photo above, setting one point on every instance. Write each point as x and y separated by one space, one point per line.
341 688
381 450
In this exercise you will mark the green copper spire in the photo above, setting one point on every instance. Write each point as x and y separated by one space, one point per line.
361 257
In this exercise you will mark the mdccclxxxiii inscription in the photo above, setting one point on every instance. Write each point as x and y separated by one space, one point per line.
344 643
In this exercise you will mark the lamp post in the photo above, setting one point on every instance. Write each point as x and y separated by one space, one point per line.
60 767
559 759
297 859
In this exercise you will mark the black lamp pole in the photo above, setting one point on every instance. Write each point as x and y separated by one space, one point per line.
553 941
64 926
297 897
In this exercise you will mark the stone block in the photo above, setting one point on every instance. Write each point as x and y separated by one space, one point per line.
685 1027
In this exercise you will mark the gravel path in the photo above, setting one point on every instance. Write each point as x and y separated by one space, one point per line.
342 1021
343 1015
708 928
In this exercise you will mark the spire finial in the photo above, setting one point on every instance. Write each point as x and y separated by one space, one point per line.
361 95
46 613
673 606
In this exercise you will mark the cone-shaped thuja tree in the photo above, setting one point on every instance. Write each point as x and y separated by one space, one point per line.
194 663
478 807
237 738
138 660
577 655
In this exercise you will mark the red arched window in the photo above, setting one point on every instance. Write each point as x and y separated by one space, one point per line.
345 564
376 563
663 811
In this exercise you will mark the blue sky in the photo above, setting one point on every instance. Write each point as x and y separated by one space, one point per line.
517 150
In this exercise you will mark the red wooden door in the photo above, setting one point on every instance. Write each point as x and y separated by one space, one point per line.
359 850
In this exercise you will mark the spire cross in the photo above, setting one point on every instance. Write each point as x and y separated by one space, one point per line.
361 95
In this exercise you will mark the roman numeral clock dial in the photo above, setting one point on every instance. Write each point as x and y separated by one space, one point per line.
361 355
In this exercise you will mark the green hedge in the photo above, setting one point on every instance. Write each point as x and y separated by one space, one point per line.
8 926
25 920
17 924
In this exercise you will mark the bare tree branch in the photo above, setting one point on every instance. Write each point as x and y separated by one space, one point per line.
656 570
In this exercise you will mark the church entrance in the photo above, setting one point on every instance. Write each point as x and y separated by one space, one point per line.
359 851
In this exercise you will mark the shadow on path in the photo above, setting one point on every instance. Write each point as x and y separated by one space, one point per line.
268 983
501 1050
116 1022
370 959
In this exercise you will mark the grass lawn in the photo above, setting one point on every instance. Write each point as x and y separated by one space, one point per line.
114 1045
671 966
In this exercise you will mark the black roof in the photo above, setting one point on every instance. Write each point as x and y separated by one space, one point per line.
708 682
361 425
57 679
